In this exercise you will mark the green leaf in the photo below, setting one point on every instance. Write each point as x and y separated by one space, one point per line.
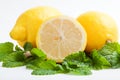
111 51
49 64
77 63
66 66
28 46
37 52
42 67
33 63
31 66
14 59
38 63
11 64
5 49
43 72
77 58
83 70
14 56
99 61
61 69
17 48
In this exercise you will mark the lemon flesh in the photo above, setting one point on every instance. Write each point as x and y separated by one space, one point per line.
60 36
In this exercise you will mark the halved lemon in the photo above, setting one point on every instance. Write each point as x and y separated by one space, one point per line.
61 36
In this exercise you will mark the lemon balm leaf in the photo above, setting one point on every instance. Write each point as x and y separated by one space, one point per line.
5 49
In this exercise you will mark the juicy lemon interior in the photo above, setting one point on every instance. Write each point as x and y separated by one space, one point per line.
60 36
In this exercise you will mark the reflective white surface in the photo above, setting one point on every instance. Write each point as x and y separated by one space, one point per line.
11 9
21 73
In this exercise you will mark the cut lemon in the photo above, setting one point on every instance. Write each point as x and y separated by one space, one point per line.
60 36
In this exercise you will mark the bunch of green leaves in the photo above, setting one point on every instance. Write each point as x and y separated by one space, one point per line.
78 63
13 56
111 52
5 49
106 57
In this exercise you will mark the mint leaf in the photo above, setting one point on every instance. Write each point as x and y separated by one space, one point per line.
79 69
14 59
39 63
27 46
61 69
83 70
49 64
12 64
5 49
42 67
78 58
14 56
31 66
99 61
17 48
111 51
43 72
33 63
77 63
37 52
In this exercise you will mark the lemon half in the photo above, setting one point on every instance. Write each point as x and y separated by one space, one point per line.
61 36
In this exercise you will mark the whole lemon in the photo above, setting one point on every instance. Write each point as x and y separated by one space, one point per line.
28 23
100 28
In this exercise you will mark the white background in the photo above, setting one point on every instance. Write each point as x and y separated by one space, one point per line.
11 9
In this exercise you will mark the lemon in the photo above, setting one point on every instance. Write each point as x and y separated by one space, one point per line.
28 23
60 36
100 28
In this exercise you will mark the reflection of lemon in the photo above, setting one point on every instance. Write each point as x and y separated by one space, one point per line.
61 36
28 23
99 27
